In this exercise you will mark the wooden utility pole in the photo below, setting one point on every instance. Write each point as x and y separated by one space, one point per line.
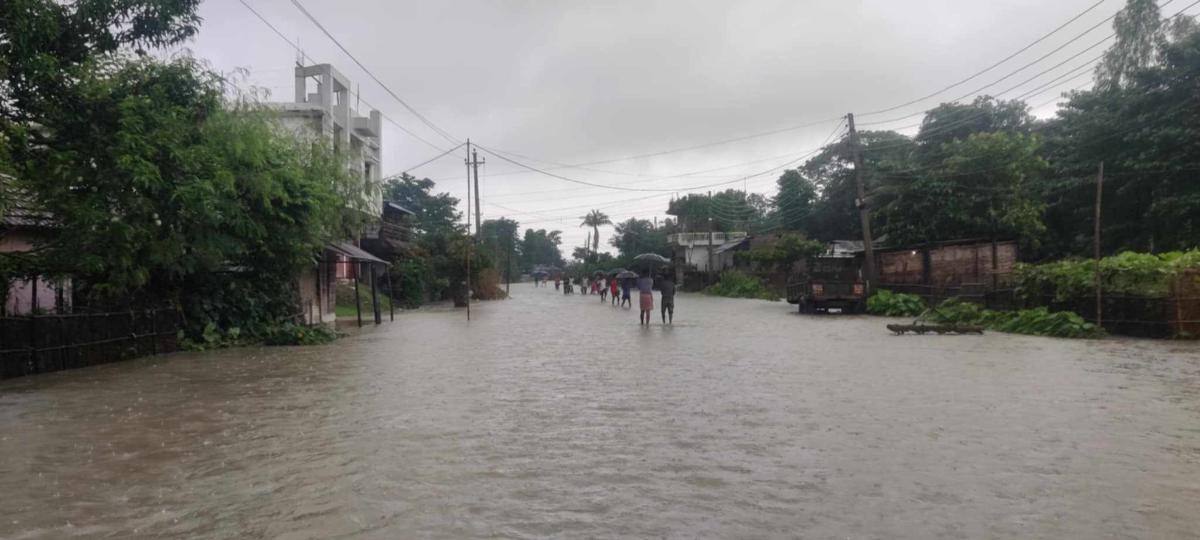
475 163
710 238
864 212
470 241
1096 245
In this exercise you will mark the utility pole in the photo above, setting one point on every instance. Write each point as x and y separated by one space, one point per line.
1096 245
710 239
476 163
470 240
864 213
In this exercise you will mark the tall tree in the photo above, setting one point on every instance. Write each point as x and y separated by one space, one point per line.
794 200
1139 34
636 236
984 187
835 213
436 213
1147 133
539 247
595 219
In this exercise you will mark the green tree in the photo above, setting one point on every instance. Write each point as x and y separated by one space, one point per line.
436 213
1147 133
540 248
835 212
499 239
595 219
951 122
794 200
636 236
1139 32
984 187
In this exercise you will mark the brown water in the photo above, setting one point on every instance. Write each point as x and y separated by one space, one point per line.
551 416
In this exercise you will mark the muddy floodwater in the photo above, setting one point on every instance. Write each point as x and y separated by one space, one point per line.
552 416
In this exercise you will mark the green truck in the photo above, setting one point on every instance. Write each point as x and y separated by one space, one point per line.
829 282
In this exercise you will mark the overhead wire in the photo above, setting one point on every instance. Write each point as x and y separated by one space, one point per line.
371 74
991 67
305 56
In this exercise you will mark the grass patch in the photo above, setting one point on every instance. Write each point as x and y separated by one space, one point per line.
344 307
735 284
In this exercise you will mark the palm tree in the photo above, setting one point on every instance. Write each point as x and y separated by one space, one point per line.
595 219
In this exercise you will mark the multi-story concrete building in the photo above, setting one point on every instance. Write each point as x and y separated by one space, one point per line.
322 111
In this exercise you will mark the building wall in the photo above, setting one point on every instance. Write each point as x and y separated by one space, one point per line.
20 298
317 294
949 265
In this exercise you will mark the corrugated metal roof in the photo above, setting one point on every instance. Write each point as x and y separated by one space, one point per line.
356 253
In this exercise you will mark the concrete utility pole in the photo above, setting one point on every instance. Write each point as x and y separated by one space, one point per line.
475 163
864 213
1096 245
472 241
710 239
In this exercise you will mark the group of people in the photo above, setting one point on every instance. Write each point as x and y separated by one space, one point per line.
620 291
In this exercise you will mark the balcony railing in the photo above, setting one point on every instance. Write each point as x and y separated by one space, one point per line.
702 238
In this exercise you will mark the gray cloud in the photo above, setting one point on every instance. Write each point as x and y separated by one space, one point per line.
583 81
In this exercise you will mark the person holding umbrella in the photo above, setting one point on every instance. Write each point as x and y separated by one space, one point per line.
626 279
645 285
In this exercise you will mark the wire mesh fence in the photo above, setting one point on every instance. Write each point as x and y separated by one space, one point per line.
1175 315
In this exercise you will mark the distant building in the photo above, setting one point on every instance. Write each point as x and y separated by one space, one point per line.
322 110
22 227
692 250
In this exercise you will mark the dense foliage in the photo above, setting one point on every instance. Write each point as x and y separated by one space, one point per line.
1130 274
435 266
734 284
161 190
1039 321
782 253
890 304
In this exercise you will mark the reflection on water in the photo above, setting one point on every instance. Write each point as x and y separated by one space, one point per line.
552 416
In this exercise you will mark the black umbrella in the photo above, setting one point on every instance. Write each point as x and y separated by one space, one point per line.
627 275
616 271
598 273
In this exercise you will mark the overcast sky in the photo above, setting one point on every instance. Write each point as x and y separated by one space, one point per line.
572 82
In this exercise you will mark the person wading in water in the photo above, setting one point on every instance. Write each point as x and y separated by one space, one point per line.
645 286
666 287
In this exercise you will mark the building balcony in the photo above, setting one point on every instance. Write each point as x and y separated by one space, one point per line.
703 238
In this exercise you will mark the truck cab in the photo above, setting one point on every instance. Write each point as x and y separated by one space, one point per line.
829 282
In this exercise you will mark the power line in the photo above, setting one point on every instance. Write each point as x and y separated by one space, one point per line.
991 67
1030 64
311 59
432 159
386 88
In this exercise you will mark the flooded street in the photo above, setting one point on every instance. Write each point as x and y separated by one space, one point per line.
552 416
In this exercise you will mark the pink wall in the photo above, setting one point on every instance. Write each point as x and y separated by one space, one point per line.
20 292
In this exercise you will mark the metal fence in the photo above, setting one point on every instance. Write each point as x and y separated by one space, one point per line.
43 343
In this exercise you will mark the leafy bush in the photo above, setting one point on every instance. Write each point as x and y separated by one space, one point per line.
734 284
1039 321
488 285
890 304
